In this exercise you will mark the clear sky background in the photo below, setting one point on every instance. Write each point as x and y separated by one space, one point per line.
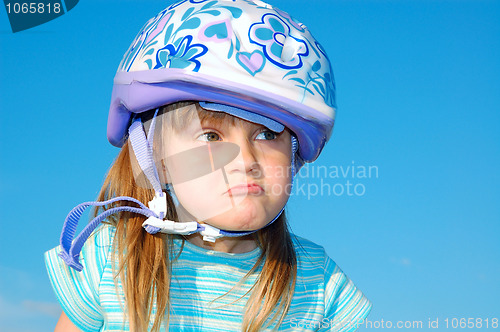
418 85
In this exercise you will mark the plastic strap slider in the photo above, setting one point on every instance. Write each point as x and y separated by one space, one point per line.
210 233
159 205
172 227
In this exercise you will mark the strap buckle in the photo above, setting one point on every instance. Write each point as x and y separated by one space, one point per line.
172 227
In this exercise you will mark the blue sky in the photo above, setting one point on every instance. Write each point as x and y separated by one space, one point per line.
419 103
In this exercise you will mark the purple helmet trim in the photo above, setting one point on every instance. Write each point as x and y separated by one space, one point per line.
137 92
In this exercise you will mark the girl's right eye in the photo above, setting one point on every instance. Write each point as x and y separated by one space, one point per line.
209 137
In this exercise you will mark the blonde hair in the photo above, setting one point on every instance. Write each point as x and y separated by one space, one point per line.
145 260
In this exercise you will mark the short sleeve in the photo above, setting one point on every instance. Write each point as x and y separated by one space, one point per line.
78 292
346 307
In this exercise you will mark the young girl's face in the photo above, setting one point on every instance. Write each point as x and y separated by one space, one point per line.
227 172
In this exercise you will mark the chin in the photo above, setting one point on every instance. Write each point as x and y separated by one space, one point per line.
242 218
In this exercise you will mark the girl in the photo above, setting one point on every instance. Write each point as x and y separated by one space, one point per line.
216 105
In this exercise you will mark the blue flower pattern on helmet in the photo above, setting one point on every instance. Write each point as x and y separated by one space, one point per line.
315 83
182 56
180 52
179 35
144 37
327 77
271 33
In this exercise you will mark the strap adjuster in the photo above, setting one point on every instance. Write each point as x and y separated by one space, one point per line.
172 227
210 233
159 204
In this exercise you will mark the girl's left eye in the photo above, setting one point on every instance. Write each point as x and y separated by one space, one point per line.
267 135
209 137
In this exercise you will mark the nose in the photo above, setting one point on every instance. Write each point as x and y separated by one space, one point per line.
247 160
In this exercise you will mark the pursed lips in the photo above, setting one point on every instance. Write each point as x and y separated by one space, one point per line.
245 189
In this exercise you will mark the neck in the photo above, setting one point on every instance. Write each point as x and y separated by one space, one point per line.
235 245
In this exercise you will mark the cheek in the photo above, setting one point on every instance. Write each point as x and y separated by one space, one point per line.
204 197
278 178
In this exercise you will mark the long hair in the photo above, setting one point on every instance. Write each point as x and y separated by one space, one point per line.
145 260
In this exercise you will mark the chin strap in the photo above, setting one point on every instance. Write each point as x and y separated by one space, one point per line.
153 225
156 210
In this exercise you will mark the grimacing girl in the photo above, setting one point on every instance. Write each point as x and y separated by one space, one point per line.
216 105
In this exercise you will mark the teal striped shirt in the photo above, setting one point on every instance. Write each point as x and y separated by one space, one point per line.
325 299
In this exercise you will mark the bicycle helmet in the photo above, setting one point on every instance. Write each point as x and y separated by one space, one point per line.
240 53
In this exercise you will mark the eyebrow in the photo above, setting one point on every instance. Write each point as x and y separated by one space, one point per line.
217 118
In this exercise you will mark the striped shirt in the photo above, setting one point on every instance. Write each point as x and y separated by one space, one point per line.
325 299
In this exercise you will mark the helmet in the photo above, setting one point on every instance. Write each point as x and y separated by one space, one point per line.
240 53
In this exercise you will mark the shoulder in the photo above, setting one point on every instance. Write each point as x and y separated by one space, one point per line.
312 259
79 292
299 241
313 267
95 250
309 253
94 257
343 302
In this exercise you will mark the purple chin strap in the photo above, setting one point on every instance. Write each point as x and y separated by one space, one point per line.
155 211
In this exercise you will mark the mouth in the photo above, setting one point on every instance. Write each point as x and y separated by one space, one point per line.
245 189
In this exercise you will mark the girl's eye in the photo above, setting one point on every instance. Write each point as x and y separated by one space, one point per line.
209 137
267 135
